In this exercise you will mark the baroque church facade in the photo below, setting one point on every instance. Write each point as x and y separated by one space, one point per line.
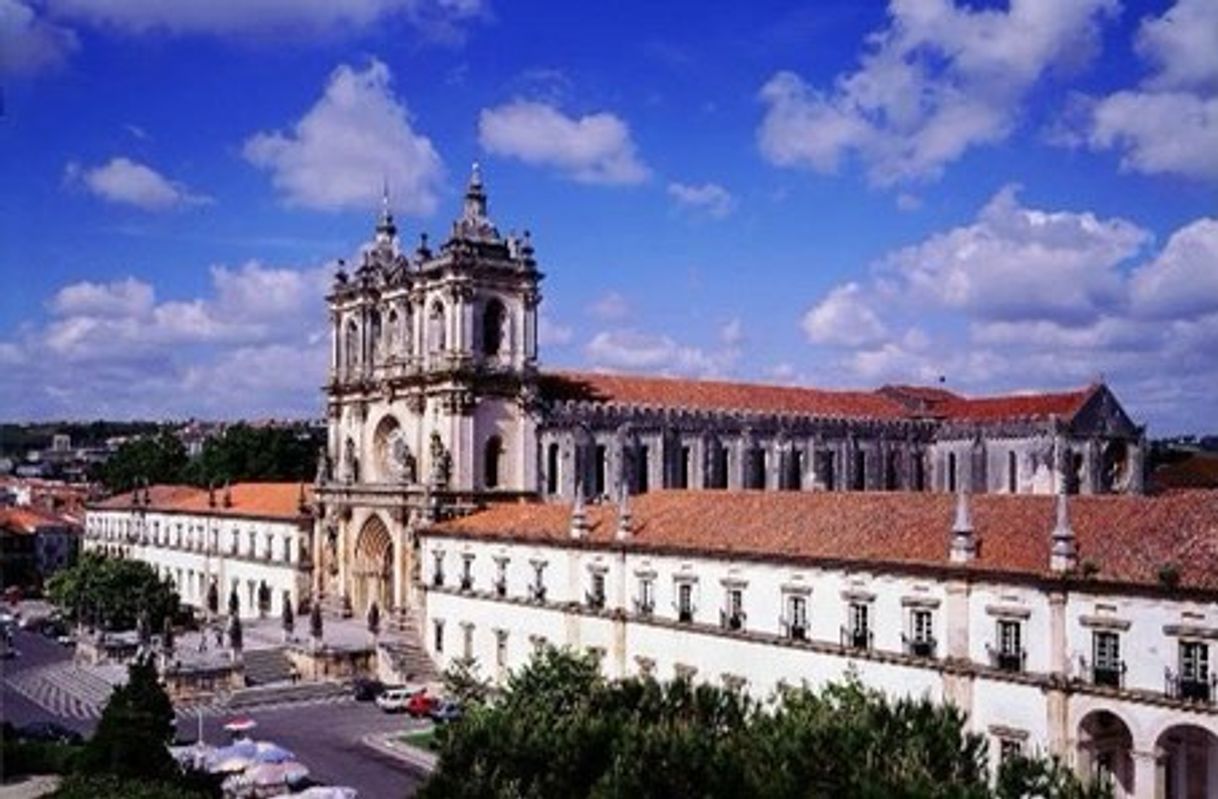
437 405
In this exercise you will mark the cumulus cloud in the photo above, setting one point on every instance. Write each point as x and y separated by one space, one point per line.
254 344
552 333
843 317
635 350
355 137
29 43
253 17
1027 298
128 182
610 307
708 198
596 148
938 80
1169 123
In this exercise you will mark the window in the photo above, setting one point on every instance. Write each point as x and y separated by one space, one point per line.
492 457
1012 472
467 572
1009 748
501 640
1107 667
437 569
685 601
642 467
892 468
793 470
599 469
645 602
596 594
437 627
733 608
825 468
860 470
860 625
951 472
682 475
537 592
501 565
797 617
467 630
552 469
921 633
1010 654
919 472
493 317
1194 681
719 467
436 323
756 463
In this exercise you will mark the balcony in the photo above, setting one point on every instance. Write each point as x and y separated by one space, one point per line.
731 620
501 587
685 615
594 600
1108 674
644 607
923 647
537 593
1012 660
437 579
467 582
857 638
795 632
1191 688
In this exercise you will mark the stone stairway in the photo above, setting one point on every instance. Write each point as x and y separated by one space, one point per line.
403 646
263 666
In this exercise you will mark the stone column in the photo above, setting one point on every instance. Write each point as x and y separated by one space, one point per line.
1137 467
1148 776
1090 483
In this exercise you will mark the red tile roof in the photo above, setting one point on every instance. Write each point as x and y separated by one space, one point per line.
263 500
716 395
30 520
1129 538
889 402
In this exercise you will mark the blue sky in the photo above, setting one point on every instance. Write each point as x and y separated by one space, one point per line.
1013 196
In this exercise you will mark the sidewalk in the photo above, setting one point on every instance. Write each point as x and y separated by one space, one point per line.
30 787
391 744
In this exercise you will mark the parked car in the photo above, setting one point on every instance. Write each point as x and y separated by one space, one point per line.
49 732
366 690
394 700
445 710
420 704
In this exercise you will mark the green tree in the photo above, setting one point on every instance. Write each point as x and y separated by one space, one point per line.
159 458
97 786
112 593
244 453
561 730
135 729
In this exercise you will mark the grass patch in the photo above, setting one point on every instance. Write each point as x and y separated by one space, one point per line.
423 739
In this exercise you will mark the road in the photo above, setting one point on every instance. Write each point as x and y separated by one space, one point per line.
326 737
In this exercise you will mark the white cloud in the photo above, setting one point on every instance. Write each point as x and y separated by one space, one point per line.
938 80
1015 262
610 307
709 198
253 17
1032 298
127 297
1168 124
732 332
908 202
30 44
128 182
596 148
553 333
354 138
1183 281
843 317
635 350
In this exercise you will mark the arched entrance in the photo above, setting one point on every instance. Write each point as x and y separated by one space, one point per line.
372 569
1105 750
1188 763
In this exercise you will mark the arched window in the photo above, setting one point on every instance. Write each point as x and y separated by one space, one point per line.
552 469
492 327
494 453
376 348
437 339
1012 472
352 346
951 471
393 332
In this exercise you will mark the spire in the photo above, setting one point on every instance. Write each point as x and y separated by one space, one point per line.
579 514
385 227
624 517
964 538
475 195
1063 555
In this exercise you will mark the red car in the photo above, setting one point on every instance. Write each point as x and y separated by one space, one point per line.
420 704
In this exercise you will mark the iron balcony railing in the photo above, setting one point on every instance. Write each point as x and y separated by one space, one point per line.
857 637
594 600
644 607
1108 674
537 593
919 647
1013 660
731 619
501 586
793 631
1191 688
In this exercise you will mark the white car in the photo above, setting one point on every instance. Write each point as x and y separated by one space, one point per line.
394 700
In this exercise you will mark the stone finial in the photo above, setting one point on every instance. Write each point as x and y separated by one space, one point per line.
211 495
964 538
385 227
579 515
624 518
228 495
1063 554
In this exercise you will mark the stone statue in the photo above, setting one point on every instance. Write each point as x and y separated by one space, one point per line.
441 462
324 472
